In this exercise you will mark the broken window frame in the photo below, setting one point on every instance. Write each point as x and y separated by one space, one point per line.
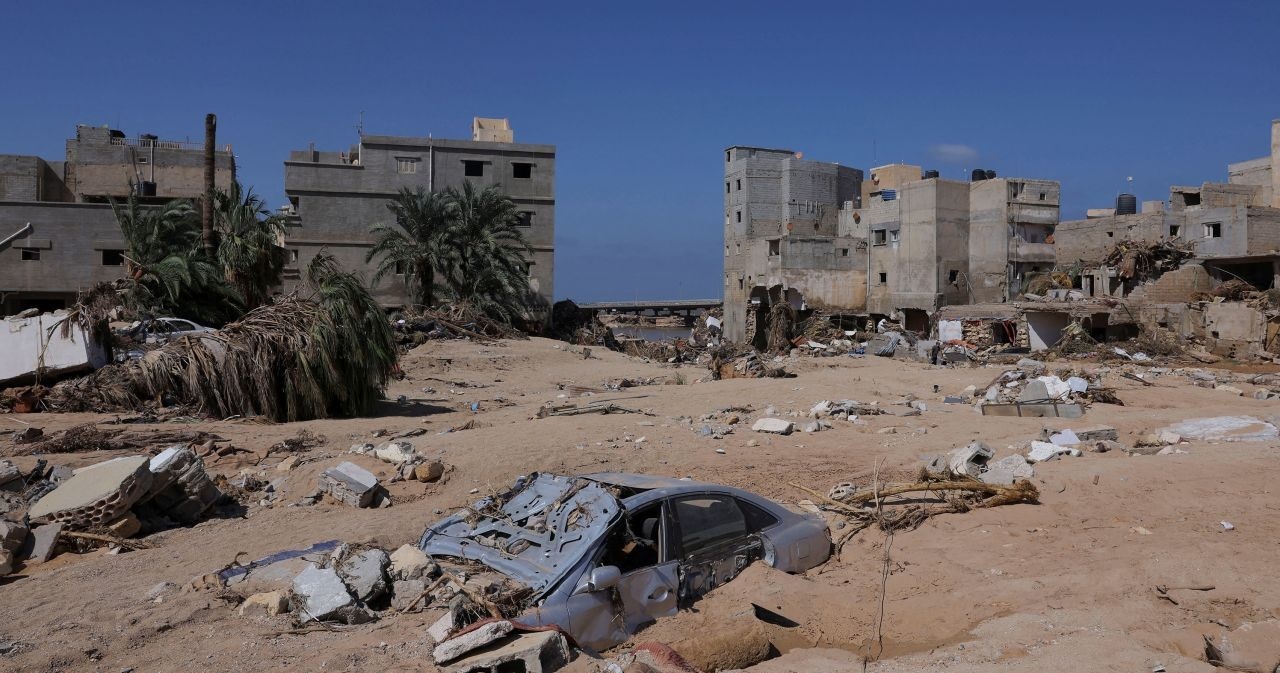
29 254
472 168
1213 230
879 237
518 167
112 257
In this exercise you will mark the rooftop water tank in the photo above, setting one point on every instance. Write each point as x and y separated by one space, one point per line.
1126 204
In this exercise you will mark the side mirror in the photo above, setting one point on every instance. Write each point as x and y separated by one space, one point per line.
599 579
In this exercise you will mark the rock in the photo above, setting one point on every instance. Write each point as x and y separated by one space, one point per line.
180 490
919 405
1229 389
287 464
96 494
404 592
1145 448
538 652
775 426
45 545
126 526
12 535
267 604
1042 451
952 399
459 645
350 483
1252 646
810 426
1104 445
969 391
1169 437
158 592
1225 429
732 419
1005 471
323 597
396 452
1032 367
429 471
820 409
887 431
366 574
361 449
410 563
7 562
10 474
1097 432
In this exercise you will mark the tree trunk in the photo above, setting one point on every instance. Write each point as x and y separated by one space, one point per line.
428 281
206 221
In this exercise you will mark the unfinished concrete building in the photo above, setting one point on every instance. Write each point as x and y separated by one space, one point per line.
336 197
1011 233
788 236
58 234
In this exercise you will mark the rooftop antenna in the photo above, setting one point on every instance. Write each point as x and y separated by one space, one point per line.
360 125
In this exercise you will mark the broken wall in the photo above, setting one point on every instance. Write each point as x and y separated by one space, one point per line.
1175 286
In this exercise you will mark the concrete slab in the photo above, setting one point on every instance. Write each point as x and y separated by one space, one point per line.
350 483
541 652
96 494
775 426
1029 410
366 574
1225 429
323 596
472 640
45 543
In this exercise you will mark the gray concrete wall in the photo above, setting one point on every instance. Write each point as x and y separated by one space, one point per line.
69 238
98 169
20 177
338 201
990 235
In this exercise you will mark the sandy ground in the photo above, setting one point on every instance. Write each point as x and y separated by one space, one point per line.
1063 585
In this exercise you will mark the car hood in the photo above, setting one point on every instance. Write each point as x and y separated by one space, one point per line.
534 533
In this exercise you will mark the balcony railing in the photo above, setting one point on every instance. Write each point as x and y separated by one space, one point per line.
147 143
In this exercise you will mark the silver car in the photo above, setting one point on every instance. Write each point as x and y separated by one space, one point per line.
602 555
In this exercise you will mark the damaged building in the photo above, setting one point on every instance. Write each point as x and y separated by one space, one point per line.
1184 264
900 244
58 234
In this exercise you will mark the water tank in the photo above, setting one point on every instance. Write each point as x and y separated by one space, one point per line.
147 139
1126 204
978 175
930 174
991 175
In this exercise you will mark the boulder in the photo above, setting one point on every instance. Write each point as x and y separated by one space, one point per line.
429 471
396 452
775 426
366 574
410 563
268 604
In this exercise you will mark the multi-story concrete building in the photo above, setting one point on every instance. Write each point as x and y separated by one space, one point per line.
336 197
58 234
787 236
902 243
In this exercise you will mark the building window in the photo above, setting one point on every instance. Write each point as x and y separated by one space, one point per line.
774 247
741 284
884 278
1213 230
953 275
1042 196
727 156
1015 188
893 236
878 237
726 188
406 165
30 254
528 267
1111 234
293 255
143 160
522 171
844 252
1174 230
526 219
399 268
473 169
726 218
739 185
739 213
113 258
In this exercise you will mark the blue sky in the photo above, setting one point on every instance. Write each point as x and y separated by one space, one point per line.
641 98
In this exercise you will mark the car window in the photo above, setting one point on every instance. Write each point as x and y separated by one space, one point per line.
757 518
183 326
639 541
708 520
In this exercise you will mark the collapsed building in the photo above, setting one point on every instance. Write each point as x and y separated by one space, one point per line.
901 244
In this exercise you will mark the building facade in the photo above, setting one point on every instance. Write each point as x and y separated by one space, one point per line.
337 197
58 234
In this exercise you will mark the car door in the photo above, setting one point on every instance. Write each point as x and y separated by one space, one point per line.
650 590
716 541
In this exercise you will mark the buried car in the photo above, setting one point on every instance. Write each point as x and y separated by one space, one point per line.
601 555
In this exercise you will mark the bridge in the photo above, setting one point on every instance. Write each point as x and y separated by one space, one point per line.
687 307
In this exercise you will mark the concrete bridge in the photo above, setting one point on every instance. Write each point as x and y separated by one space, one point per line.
686 307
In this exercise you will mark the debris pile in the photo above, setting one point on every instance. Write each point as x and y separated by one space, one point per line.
1140 260
418 325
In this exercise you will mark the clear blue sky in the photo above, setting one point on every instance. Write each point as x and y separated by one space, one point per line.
641 98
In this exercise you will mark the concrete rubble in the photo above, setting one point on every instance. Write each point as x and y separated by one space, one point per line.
349 483
775 426
967 461
1225 429
269 604
1043 451
365 574
1005 471
477 637
537 652
322 596
96 494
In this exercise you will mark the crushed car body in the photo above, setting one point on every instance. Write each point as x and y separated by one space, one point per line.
601 555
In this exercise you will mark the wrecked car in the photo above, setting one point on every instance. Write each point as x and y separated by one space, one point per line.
601 555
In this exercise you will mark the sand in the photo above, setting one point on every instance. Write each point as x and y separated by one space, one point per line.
1064 585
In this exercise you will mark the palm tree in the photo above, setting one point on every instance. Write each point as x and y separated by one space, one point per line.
491 271
165 265
248 244
417 245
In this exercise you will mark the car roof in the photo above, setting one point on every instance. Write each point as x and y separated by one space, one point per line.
640 482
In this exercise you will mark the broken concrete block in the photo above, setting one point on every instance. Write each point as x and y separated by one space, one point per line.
1033 367
12 535
350 483
775 426
540 652
405 592
440 630
361 449
429 471
287 464
1064 438
180 490
396 452
1169 437
969 460
459 645
323 597
1005 471
126 526
410 563
96 494
1225 429
10 474
267 604
1036 391
7 562
810 426
1103 446
1229 389
366 574
45 543
1042 451
1096 433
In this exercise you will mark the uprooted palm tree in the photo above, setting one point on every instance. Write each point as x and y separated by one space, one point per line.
328 354
166 269
248 244
417 245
